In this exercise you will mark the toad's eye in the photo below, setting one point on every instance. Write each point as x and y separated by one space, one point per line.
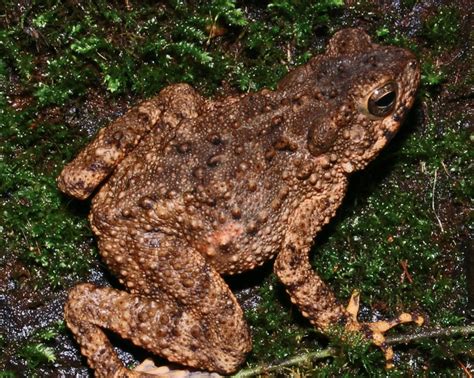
382 100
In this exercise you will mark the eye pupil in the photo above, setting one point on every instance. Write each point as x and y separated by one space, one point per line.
382 100
386 100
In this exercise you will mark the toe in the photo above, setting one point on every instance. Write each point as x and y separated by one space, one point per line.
376 330
148 368
353 305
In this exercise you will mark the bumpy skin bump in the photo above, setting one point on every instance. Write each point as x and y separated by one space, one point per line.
200 188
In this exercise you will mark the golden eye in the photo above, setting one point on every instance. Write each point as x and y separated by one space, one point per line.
382 100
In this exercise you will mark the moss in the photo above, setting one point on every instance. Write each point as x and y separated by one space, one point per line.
354 355
36 222
282 39
36 354
276 329
431 76
36 351
7 374
442 28
38 348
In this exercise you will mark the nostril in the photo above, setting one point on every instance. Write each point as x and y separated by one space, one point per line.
412 64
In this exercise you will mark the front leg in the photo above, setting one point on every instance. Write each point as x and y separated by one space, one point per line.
95 162
312 296
307 290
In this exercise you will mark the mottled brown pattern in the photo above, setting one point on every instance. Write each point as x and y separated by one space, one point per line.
200 188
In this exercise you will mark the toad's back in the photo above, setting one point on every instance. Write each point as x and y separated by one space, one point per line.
223 180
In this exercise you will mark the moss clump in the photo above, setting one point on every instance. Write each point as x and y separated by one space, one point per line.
36 351
283 38
442 29
36 223
7 374
353 353
277 332
431 76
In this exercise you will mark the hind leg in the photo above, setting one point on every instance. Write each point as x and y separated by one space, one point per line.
97 160
179 308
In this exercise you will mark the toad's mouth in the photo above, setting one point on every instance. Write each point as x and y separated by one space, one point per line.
388 135
389 129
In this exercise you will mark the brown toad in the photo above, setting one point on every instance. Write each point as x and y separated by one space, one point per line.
198 188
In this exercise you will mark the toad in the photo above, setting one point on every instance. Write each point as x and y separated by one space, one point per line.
191 189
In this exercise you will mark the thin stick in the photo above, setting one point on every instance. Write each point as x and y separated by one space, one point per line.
433 201
430 334
330 352
295 360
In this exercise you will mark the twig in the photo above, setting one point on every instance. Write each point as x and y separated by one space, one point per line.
433 201
295 360
406 273
431 333
330 352
464 368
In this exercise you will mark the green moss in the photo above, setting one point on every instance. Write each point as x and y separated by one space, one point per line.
275 327
389 35
354 355
38 349
13 54
7 374
431 76
36 222
36 354
442 29
282 38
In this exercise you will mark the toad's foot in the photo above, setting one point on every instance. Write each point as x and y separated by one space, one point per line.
148 368
376 330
